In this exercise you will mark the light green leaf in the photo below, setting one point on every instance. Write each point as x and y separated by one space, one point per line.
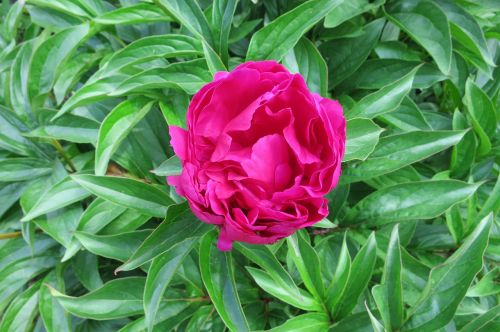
275 39
310 322
62 194
115 127
55 319
410 201
23 169
389 294
135 14
489 321
128 193
51 55
214 63
448 282
384 100
22 310
349 9
189 14
482 114
400 150
340 279
307 262
189 76
160 273
179 225
428 25
218 276
345 55
360 275
362 136
222 19
117 298
118 246
305 59
147 49
171 166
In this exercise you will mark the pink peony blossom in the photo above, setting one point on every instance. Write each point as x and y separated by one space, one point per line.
260 153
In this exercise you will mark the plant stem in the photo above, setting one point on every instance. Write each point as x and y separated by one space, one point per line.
12 235
63 154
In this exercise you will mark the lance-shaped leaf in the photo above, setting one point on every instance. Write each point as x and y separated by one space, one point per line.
128 193
160 274
179 224
389 294
362 136
115 127
384 100
312 322
135 14
62 194
218 276
275 39
340 278
117 298
448 282
360 275
400 150
22 310
410 201
22 169
190 15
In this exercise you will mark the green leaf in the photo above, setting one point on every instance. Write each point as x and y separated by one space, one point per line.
218 276
117 298
466 30
487 285
171 166
464 152
135 14
362 137
86 269
98 214
349 9
179 225
63 6
428 25
360 275
307 262
214 63
62 194
69 127
410 201
489 321
115 127
222 19
147 49
376 325
12 20
54 317
275 279
400 150
22 169
189 76
118 246
15 275
51 55
22 310
310 322
275 39
128 193
408 117
18 85
160 273
189 14
482 114
448 282
345 55
384 100
389 294
339 281
305 59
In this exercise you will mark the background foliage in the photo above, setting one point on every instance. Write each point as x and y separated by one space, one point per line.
92 239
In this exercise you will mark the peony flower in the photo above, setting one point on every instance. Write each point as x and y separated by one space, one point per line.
259 154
